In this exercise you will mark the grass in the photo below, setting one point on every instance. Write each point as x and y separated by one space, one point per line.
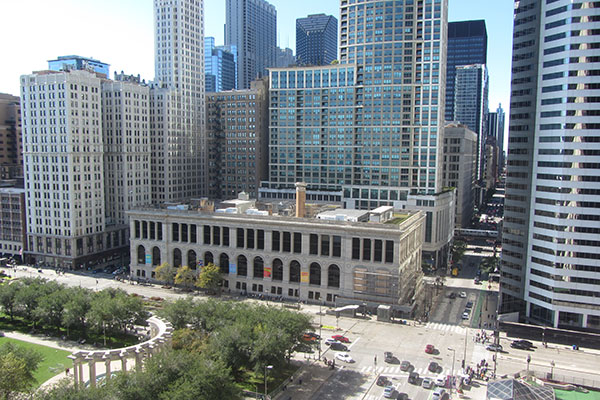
256 381
398 219
55 361
572 395
117 340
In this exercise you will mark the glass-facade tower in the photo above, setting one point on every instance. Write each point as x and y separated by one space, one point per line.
467 44
316 39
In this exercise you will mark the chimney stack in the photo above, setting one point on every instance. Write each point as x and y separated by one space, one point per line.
300 199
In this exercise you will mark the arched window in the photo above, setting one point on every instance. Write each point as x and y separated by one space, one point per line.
141 253
294 271
333 276
155 256
191 259
277 270
208 258
176 258
259 268
242 267
315 274
224 263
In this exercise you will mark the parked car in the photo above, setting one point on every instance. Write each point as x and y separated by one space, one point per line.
330 341
309 338
413 378
433 366
462 295
427 383
452 295
494 347
341 338
429 349
338 347
402 396
524 342
312 334
405 365
440 381
518 345
388 392
345 357
466 315
469 305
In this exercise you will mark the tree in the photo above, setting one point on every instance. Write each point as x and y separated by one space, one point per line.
489 264
210 277
8 293
458 250
76 309
164 272
16 369
185 276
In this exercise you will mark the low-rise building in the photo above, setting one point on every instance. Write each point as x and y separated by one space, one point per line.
13 222
336 262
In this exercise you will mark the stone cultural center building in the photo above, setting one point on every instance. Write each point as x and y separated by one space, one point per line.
339 257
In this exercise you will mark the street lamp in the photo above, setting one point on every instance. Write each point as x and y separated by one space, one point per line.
552 370
452 373
267 368
320 326
528 361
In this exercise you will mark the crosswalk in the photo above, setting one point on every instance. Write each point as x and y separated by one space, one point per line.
386 370
446 327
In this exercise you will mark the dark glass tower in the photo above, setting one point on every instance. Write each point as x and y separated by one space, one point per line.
467 44
316 39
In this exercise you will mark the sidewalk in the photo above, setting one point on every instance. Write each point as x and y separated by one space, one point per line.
313 375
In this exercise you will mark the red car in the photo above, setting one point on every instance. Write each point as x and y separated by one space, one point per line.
341 338
429 349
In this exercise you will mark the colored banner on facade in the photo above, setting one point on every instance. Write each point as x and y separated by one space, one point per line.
267 272
304 277
148 259
232 269
200 263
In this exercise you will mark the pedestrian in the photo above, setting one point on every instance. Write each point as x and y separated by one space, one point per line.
375 360
300 381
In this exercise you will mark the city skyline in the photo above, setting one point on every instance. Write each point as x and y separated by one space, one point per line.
126 42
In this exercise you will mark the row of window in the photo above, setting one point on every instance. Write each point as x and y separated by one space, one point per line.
376 250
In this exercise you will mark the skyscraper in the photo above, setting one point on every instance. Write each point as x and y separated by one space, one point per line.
219 67
367 132
467 44
78 62
471 104
177 102
63 150
550 247
495 128
11 151
316 39
251 25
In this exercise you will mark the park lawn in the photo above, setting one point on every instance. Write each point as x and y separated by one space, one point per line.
55 360
572 395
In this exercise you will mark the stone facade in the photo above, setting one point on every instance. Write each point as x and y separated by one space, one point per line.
303 259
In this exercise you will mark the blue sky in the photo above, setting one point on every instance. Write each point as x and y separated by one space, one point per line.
119 32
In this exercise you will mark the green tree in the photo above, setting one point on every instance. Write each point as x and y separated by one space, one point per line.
210 277
458 250
51 307
489 264
16 369
178 312
76 309
185 276
8 294
164 272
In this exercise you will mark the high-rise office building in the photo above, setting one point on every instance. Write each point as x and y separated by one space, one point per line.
467 44
251 25
63 150
368 132
285 58
460 169
78 62
471 104
11 150
495 128
316 39
126 137
550 247
219 67
178 137
238 140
